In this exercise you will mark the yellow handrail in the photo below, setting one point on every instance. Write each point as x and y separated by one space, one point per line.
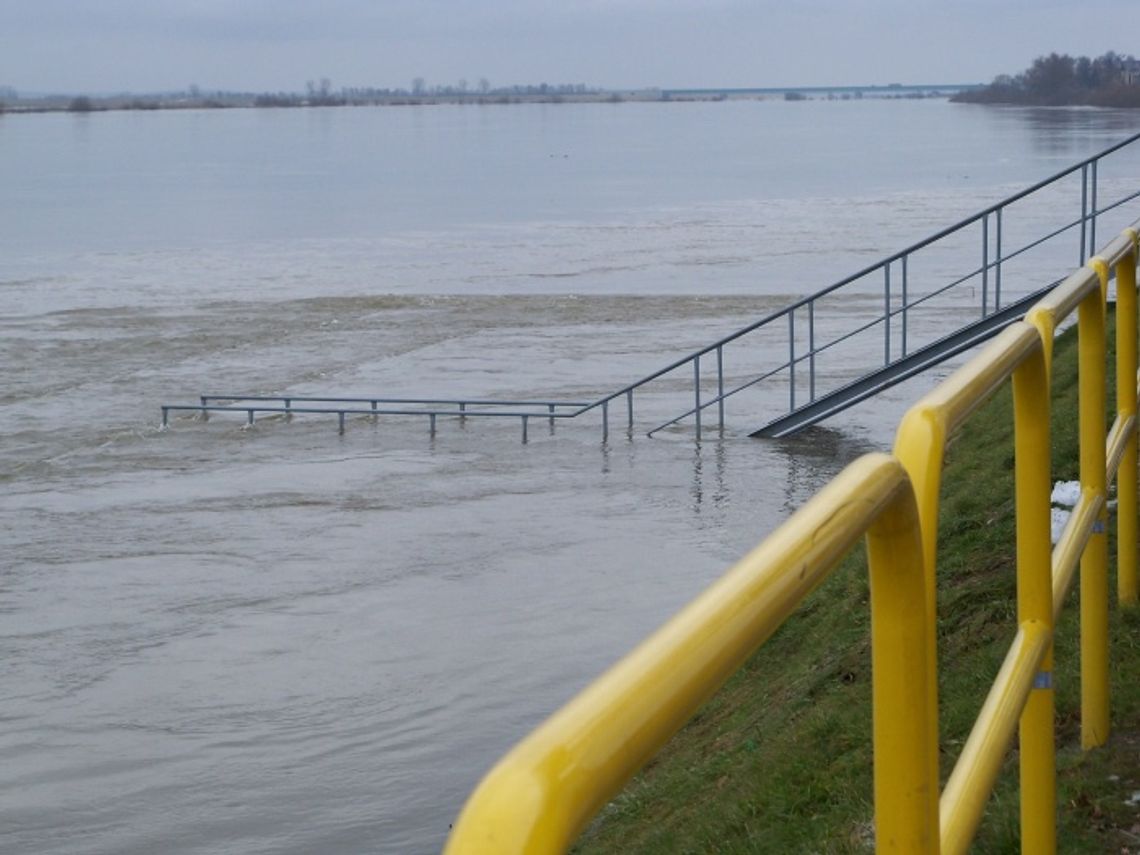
548 787
541 795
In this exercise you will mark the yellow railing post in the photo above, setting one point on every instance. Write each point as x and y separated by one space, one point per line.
1094 561
905 754
1031 401
920 445
1126 476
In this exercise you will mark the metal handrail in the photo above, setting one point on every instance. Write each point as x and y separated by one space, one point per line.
1087 216
884 264
492 402
288 410
890 259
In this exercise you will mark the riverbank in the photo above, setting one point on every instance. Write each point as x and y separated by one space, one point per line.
780 759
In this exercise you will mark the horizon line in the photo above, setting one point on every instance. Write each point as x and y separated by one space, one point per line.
18 94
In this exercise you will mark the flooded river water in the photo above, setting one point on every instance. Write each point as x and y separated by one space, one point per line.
285 639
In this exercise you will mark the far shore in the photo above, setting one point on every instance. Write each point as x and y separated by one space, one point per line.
519 95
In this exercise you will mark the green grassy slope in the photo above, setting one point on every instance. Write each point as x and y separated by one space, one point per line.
779 760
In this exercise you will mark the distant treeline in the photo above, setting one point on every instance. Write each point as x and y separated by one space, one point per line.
321 94
1059 80
420 93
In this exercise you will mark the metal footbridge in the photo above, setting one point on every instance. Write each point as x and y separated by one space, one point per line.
825 352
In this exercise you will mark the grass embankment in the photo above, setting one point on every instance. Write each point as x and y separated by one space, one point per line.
780 759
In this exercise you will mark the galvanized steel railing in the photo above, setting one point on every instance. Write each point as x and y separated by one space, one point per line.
542 794
785 351
897 300
432 408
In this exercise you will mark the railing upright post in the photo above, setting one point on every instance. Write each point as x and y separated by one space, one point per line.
629 409
997 264
1094 560
205 412
886 314
697 393
550 407
165 416
605 421
1032 477
811 350
524 427
1092 208
791 360
920 445
905 258
720 385
904 724
1084 211
1126 486
985 264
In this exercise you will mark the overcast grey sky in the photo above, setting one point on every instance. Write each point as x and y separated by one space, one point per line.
149 45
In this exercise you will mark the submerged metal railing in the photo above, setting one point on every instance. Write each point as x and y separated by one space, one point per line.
431 408
541 795
785 351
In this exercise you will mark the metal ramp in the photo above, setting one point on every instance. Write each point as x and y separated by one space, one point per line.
882 325
915 363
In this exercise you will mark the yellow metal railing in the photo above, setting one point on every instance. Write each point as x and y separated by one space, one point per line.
541 795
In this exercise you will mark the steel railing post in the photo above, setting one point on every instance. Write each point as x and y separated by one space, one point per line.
904 724
524 427
1126 483
629 408
697 393
720 385
791 360
205 412
1032 484
886 314
1084 211
1094 560
985 264
811 350
997 263
605 421
1092 208
905 258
